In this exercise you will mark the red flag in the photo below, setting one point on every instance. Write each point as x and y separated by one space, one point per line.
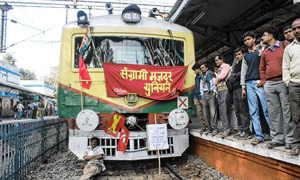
115 123
84 74
123 140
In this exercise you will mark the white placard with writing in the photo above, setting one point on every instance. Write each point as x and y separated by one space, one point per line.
157 137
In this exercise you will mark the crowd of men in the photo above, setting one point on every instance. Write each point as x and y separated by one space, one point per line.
34 110
263 84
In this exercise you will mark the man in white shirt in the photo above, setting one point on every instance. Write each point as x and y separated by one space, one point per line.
291 77
20 108
94 156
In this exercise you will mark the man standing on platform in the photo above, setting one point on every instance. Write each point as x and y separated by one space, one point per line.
223 94
20 108
291 77
34 109
208 91
198 97
240 104
250 82
281 126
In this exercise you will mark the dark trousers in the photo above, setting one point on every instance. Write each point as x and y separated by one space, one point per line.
34 113
241 110
294 93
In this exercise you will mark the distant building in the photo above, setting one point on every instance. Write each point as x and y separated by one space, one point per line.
9 88
9 73
39 86
11 91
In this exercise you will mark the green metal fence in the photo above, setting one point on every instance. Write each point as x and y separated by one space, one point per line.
26 144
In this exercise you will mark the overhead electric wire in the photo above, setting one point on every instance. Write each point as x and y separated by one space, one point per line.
16 22
28 38
45 42
32 22
15 19
63 3
100 5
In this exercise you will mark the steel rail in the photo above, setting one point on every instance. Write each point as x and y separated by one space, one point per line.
168 165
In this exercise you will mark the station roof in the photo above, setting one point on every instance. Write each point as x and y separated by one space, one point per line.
218 25
23 89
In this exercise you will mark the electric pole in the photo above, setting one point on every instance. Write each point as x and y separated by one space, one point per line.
3 26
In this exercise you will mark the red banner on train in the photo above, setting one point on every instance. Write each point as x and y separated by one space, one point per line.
154 82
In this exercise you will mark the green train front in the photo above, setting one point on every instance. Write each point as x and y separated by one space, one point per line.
133 40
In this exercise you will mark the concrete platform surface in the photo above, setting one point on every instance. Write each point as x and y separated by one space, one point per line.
278 153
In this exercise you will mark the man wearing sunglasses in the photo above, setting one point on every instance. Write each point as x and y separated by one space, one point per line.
291 77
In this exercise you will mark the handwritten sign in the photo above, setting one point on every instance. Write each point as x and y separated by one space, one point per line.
157 137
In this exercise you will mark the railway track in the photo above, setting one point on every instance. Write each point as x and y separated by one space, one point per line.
173 170
64 165
140 170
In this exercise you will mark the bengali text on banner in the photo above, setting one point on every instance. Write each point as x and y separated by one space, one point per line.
154 82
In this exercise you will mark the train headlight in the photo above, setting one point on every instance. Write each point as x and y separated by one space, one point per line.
82 19
131 14
131 99
109 8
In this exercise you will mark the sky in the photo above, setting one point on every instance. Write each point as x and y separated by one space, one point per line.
42 51
39 53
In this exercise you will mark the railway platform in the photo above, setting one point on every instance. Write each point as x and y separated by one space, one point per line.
241 160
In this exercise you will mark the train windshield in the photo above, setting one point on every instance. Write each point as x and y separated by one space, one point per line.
130 50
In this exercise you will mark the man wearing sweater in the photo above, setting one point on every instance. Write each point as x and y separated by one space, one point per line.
223 94
291 77
281 127
251 84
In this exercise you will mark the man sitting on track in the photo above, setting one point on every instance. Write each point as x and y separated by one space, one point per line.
94 156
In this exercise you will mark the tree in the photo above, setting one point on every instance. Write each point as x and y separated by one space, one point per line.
27 74
8 58
52 78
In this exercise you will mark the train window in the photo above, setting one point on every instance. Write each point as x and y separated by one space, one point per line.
131 50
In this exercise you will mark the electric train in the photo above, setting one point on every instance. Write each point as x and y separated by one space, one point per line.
123 40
